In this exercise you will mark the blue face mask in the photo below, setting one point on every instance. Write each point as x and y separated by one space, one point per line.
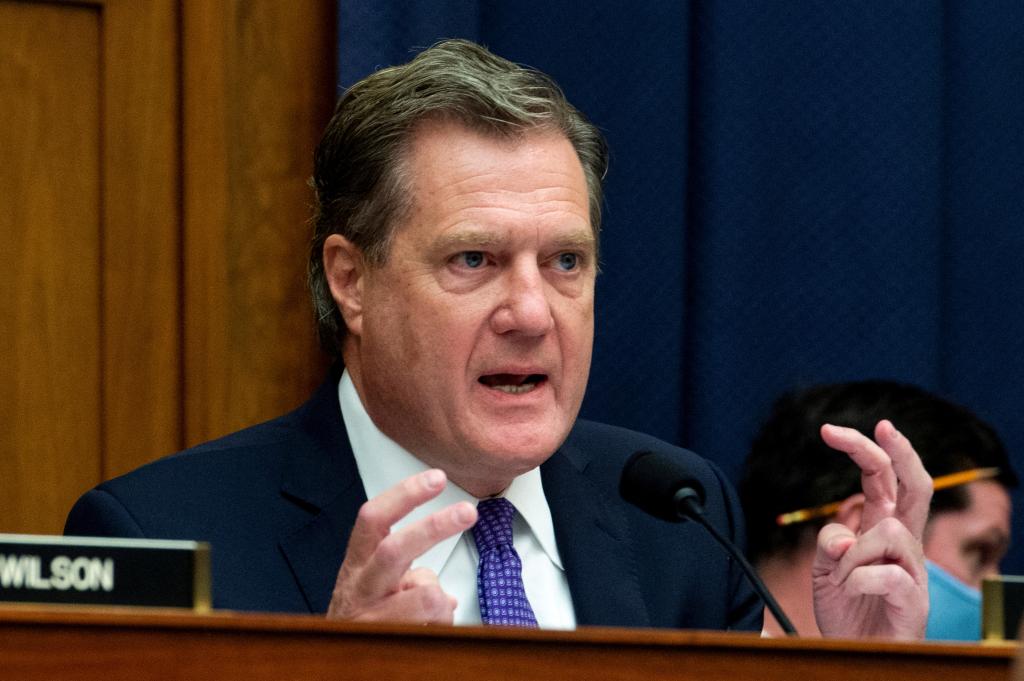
954 608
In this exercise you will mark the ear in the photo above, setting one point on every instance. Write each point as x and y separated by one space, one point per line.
850 512
345 268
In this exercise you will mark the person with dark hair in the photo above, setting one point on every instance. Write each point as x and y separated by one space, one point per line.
440 474
792 485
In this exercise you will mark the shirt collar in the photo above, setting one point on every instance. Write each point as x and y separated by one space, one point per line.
383 463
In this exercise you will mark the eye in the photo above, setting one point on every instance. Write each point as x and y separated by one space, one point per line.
982 557
471 259
567 261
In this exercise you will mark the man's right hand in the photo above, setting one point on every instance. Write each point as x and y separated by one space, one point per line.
375 582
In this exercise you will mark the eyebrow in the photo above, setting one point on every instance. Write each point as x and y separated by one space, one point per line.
991 535
468 238
581 238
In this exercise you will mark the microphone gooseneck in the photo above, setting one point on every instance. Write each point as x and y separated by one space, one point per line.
658 485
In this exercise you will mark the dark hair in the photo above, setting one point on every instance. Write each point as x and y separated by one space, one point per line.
361 190
789 467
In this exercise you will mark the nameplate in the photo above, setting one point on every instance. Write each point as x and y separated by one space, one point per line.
1002 604
104 571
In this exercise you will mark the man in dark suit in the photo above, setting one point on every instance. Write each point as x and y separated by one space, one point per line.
452 270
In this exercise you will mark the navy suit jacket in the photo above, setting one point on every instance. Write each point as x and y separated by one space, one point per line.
277 502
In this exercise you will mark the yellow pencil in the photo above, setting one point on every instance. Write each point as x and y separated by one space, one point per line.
941 482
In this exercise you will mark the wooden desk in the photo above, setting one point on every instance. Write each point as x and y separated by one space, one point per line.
108 645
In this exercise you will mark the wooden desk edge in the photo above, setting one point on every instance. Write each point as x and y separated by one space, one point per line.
227 621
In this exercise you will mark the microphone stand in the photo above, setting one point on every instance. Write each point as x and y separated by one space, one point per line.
689 506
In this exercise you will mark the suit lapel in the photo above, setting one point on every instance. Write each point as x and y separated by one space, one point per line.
321 476
592 536
315 550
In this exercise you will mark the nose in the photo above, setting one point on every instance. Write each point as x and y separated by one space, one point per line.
524 308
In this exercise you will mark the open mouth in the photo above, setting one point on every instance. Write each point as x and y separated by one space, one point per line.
513 384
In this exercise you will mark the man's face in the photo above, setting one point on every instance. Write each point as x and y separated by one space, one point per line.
969 544
473 343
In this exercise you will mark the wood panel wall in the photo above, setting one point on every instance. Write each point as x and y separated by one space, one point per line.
259 88
153 228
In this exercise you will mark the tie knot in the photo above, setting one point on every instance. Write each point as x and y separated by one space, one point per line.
494 523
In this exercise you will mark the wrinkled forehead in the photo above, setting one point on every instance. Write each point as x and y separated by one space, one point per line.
467 182
453 137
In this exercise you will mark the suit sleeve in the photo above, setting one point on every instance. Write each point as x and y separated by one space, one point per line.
99 514
746 610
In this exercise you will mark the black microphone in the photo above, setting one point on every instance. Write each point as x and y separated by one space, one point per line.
660 486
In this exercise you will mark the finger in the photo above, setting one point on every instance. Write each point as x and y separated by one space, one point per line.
834 540
889 580
420 603
914 492
877 477
890 543
424 577
418 577
905 598
376 516
383 571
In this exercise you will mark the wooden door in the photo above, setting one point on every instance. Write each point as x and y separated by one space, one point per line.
153 207
89 222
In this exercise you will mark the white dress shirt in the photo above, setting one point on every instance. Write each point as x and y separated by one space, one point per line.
383 463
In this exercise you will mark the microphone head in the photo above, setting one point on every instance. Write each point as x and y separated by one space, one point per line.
661 486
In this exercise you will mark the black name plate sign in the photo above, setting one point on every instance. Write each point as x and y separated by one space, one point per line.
102 571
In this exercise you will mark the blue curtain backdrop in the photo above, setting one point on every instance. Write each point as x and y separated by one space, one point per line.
799 192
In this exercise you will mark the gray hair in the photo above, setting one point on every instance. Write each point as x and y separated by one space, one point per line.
361 189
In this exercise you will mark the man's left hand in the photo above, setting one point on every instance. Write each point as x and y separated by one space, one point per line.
873 583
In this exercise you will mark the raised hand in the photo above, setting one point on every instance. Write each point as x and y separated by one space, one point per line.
375 582
873 582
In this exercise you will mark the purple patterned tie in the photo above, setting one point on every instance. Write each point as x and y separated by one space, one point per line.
499 577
